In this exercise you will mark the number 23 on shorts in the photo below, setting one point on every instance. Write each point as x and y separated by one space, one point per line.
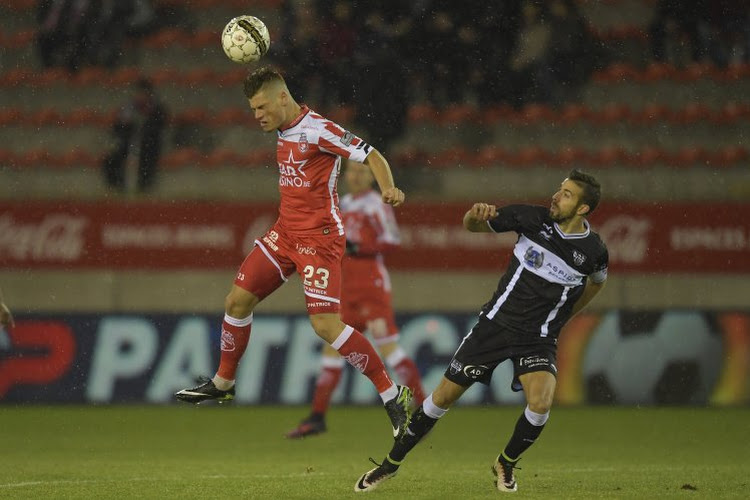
321 277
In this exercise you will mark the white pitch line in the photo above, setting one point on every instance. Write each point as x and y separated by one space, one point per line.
131 479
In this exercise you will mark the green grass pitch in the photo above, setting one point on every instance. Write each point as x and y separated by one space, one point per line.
239 452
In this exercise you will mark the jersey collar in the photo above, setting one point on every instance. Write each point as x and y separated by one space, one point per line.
574 236
303 111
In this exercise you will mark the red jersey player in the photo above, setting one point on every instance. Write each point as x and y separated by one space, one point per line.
307 238
371 230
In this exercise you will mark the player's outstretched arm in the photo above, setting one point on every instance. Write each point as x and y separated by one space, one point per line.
382 173
475 220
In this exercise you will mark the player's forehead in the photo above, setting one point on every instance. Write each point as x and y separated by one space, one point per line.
262 96
572 187
258 99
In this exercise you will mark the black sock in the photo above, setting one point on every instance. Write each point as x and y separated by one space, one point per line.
420 425
523 436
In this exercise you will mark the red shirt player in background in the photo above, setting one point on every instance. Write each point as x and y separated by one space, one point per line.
307 238
371 231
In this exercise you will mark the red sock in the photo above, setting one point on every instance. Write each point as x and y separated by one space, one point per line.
407 373
235 334
327 381
355 348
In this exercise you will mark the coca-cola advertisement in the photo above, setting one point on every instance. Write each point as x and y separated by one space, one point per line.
653 238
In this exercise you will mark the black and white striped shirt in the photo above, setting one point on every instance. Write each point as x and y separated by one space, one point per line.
547 273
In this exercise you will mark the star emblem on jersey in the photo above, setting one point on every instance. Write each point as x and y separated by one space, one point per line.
292 167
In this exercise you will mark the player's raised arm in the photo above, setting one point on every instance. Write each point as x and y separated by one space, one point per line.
475 220
382 173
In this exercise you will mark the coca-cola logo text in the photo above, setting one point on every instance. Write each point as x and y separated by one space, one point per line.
56 237
626 238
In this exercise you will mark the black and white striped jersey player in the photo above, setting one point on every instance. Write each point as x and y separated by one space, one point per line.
558 266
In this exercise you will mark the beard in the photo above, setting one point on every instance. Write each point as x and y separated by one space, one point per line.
558 216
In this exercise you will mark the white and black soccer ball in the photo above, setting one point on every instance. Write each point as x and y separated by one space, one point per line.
245 39
671 357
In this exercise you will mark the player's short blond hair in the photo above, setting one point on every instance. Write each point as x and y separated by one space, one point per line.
258 78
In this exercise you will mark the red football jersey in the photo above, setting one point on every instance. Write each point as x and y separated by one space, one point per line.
371 225
308 153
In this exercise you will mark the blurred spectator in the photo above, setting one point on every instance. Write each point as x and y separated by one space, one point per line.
76 33
728 38
382 80
296 47
6 317
499 26
572 54
675 19
336 44
530 76
140 123
64 33
442 55
109 31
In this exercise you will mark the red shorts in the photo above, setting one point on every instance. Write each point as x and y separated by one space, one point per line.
366 303
371 312
278 254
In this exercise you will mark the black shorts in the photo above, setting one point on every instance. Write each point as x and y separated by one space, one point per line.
488 345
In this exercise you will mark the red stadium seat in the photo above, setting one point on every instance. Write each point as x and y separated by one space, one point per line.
10 116
645 157
230 116
569 155
526 156
607 157
729 157
192 116
89 75
650 113
534 113
692 113
656 71
615 73
489 156
7 158
421 113
181 158
573 113
458 113
611 113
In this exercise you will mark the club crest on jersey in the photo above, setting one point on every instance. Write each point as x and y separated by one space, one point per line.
303 145
534 257
455 366
578 258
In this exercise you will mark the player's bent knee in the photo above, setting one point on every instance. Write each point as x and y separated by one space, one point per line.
539 404
240 303
328 327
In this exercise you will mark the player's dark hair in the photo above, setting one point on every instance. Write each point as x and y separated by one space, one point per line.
255 80
592 190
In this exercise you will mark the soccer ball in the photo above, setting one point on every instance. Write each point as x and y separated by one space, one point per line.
672 357
245 39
